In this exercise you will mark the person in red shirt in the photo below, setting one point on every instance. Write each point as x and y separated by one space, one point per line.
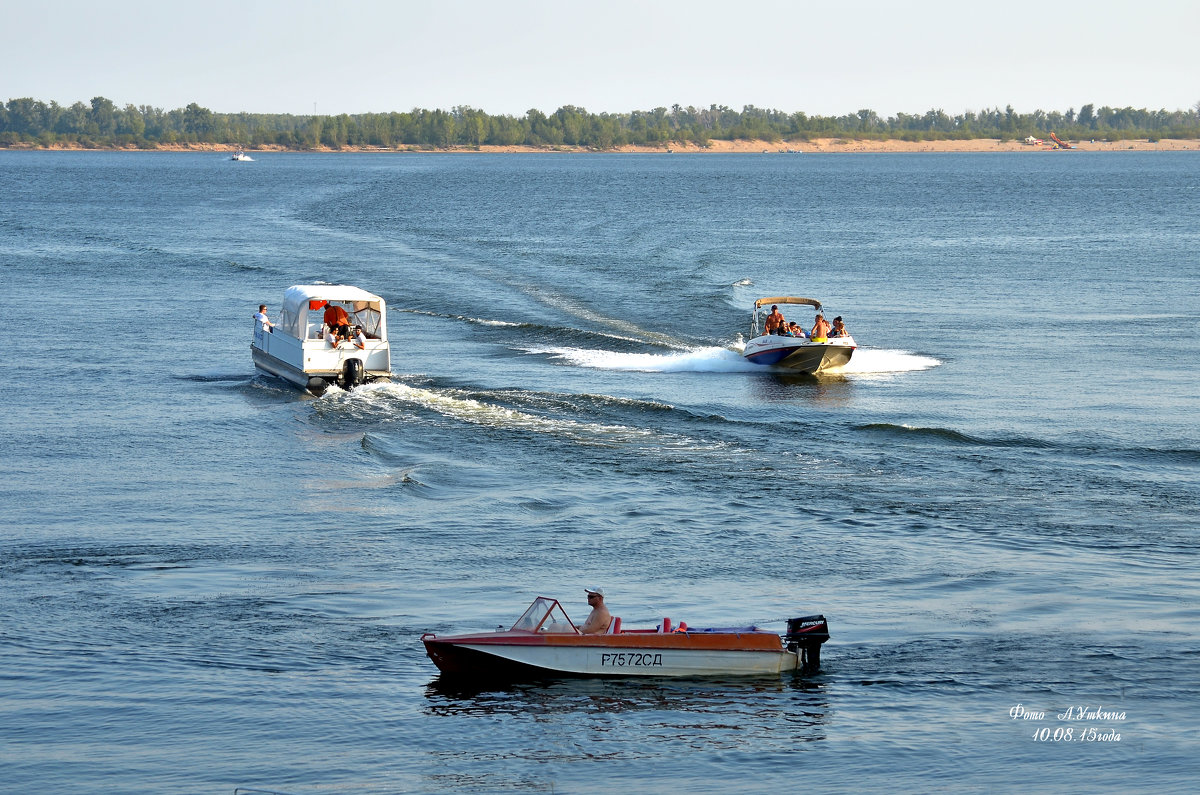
338 321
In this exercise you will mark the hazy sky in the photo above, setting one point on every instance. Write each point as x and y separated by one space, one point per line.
827 58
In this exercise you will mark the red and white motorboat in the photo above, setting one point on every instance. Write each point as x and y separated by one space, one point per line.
545 642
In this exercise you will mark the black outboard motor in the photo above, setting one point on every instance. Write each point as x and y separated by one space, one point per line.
353 373
805 636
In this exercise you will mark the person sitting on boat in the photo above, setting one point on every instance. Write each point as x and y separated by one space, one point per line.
774 320
338 321
599 619
360 339
839 328
261 317
332 338
820 329
794 330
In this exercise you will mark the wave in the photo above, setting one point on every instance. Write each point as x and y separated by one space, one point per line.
718 359
648 338
951 435
214 377
242 266
470 410
1097 451
700 360
880 361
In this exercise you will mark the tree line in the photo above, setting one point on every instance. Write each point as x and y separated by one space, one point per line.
102 124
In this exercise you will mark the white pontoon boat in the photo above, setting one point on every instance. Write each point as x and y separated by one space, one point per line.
299 349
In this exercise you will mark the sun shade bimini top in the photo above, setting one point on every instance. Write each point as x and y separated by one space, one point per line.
787 300
365 309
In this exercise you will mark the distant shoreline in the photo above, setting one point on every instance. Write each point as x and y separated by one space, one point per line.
814 146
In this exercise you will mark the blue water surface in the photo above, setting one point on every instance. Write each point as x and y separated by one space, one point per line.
211 581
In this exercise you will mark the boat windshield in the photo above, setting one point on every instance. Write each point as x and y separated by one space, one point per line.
544 615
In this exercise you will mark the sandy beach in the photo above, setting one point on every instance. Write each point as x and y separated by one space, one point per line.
814 146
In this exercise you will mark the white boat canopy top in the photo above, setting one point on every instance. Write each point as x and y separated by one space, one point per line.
304 304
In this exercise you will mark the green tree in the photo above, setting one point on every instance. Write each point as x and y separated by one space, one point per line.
197 122
104 116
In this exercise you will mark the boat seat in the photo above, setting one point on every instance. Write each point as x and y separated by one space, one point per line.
614 626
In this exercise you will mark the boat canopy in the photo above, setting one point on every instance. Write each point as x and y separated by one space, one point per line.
365 309
786 299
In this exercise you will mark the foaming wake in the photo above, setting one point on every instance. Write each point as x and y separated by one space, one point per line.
725 360
885 361
700 360
464 409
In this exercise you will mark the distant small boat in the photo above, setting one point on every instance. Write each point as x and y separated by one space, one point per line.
545 642
242 157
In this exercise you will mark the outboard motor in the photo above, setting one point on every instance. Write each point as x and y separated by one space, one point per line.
353 373
805 636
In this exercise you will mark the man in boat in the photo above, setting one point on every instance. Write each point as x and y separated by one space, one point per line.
774 320
599 619
820 329
261 317
839 328
338 321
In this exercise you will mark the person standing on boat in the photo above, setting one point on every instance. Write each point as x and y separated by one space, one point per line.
774 320
261 317
599 619
820 329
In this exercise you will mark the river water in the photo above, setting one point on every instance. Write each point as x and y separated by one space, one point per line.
211 581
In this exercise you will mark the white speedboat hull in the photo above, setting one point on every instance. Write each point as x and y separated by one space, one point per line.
799 354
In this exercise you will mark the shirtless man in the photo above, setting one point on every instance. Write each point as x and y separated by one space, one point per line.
820 329
774 320
599 619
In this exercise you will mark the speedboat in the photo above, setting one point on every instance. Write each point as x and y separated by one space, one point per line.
241 156
299 350
799 353
544 642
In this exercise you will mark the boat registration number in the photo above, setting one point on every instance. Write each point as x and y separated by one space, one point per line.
631 660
